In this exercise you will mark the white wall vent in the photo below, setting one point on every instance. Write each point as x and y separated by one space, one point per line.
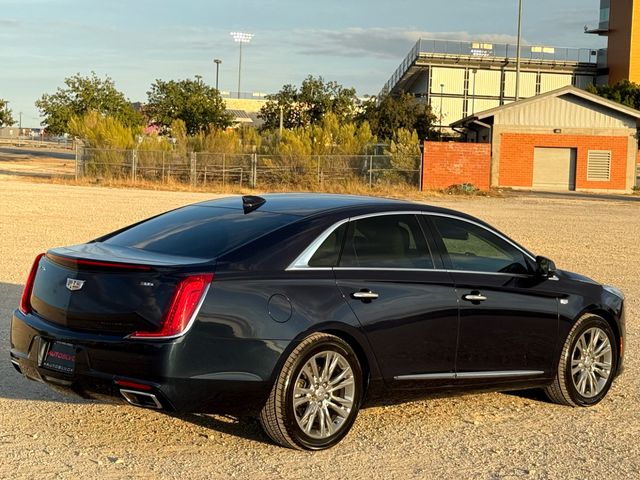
599 165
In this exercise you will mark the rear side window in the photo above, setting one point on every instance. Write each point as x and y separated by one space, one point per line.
473 248
199 231
387 241
328 252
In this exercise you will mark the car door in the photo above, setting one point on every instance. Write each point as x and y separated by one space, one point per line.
508 314
407 308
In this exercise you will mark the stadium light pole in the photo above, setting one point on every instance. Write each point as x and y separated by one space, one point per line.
241 37
518 50
217 61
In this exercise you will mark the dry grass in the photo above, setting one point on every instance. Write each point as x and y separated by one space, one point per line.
401 191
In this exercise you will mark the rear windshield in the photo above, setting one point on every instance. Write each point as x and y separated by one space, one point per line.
198 231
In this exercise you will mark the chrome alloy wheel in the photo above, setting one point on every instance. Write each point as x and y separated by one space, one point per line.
591 362
323 394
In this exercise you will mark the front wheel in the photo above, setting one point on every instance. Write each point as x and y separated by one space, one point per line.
316 397
587 365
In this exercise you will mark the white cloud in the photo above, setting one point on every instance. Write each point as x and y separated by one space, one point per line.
380 42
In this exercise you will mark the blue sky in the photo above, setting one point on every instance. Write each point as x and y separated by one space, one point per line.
358 43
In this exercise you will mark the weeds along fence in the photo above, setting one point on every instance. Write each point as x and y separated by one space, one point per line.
248 170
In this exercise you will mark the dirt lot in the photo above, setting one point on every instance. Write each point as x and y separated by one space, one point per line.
46 435
34 161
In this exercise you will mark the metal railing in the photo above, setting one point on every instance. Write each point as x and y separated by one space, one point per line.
484 50
248 170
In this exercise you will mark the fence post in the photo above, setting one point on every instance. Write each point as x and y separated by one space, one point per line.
77 161
163 152
224 167
318 162
254 170
192 170
370 171
134 154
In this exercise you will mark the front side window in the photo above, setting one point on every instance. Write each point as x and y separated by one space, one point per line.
473 248
386 241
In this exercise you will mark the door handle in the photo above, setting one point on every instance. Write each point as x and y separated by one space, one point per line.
474 297
365 295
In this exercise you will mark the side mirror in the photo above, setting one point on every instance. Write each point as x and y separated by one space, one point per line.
546 267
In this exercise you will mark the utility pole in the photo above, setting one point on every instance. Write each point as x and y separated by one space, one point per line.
518 50
441 113
473 98
281 119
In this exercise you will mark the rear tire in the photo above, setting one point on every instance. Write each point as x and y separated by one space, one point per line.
316 397
587 364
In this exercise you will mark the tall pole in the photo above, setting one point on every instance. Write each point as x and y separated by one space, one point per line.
518 50
239 69
217 61
441 113
241 37
473 98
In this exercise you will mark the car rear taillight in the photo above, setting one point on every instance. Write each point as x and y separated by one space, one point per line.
186 299
25 300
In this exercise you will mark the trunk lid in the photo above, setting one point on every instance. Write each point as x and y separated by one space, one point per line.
106 288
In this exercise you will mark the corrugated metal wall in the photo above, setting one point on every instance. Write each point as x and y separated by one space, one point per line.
451 78
553 81
528 81
470 90
487 83
563 112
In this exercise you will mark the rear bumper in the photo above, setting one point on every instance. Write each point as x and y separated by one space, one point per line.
193 373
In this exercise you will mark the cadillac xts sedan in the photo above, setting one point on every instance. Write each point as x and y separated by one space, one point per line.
300 307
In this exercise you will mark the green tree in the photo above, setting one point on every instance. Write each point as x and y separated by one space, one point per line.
309 104
196 104
82 95
6 119
625 92
387 114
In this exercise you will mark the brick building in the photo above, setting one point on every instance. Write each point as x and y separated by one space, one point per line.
567 139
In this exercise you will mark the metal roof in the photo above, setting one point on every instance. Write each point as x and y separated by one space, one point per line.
568 90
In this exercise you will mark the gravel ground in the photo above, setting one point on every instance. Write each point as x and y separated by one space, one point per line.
46 435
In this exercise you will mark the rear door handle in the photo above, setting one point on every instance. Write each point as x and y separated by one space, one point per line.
474 297
365 295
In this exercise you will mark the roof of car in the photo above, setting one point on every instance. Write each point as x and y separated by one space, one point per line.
306 204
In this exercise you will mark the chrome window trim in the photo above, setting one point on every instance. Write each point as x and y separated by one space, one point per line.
302 261
499 374
427 376
467 375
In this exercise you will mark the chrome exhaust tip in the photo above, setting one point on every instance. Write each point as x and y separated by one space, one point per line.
141 399
16 365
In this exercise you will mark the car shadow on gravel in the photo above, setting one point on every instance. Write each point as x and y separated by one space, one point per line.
243 427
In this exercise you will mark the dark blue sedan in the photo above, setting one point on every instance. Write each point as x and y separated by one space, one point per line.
302 307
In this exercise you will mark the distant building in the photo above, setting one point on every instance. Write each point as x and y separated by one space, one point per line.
460 78
246 108
620 22
567 139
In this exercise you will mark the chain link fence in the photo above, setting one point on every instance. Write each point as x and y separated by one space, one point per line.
248 170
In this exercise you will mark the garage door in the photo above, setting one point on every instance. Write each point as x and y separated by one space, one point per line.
554 168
